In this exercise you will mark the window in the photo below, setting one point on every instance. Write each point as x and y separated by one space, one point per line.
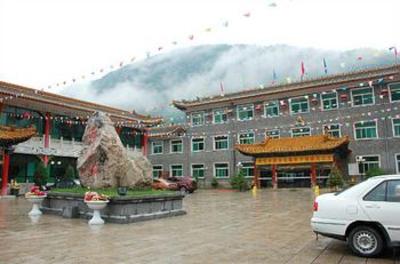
176 170
220 117
198 170
197 119
221 170
299 105
329 101
248 169
333 130
246 138
157 171
176 146
363 96
220 142
398 163
396 127
273 133
365 130
367 163
245 112
157 147
377 194
393 191
394 92
197 144
301 131
271 109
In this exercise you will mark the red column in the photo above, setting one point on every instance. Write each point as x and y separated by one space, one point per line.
46 136
6 164
274 177
313 174
145 142
256 176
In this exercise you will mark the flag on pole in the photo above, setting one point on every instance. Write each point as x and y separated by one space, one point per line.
302 70
274 77
221 86
395 52
325 66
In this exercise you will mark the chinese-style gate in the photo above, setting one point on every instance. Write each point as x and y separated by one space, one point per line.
297 151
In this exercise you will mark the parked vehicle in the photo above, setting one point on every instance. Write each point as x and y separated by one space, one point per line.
366 215
163 184
185 184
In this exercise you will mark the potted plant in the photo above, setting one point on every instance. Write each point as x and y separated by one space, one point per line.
41 176
96 202
214 183
36 197
239 183
14 187
335 180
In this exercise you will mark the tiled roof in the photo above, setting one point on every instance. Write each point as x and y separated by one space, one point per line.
293 145
336 79
49 99
12 136
168 131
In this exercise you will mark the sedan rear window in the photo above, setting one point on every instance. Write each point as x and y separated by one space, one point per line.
378 194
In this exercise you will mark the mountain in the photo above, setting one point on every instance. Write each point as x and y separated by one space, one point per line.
150 85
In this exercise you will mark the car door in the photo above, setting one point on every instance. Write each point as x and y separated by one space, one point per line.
382 205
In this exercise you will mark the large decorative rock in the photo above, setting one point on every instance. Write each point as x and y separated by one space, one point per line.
104 161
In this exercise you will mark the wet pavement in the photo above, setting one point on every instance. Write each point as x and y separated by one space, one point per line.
220 227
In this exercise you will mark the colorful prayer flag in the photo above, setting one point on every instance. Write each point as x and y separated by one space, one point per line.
394 50
325 66
274 77
302 69
221 86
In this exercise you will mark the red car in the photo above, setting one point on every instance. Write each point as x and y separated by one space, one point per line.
185 184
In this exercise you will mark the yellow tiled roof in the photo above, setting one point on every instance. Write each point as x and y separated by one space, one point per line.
12 136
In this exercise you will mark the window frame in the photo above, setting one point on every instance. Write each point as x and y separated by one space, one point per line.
248 132
152 148
170 169
267 104
170 146
252 166
204 170
277 129
355 132
390 91
157 165
227 142
291 131
202 118
332 124
297 98
223 113
361 88
244 105
366 156
397 162
191 144
322 100
215 170
393 130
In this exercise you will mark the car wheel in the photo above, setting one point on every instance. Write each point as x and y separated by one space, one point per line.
365 241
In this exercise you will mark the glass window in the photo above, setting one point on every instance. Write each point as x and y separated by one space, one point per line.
398 163
271 109
248 169
157 171
301 131
197 119
220 142
220 117
299 105
246 138
377 194
176 170
197 144
393 191
395 92
367 163
329 101
365 130
157 147
221 170
176 146
245 112
363 96
273 133
333 130
198 170
396 127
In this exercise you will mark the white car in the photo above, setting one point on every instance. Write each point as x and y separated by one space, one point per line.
366 215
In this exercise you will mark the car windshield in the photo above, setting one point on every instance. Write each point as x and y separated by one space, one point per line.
358 187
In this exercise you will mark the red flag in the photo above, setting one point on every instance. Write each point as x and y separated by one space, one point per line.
302 69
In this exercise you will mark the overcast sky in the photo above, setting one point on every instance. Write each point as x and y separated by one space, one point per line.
43 42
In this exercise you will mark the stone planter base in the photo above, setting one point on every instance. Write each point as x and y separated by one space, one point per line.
120 210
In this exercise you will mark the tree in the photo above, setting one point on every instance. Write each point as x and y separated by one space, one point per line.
238 182
335 179
376 171
69 173
214 182
41 175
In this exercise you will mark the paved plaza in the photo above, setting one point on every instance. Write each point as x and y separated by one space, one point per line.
220 227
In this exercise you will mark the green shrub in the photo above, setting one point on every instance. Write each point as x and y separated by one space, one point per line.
69 173
374 172
238 182
214 182
41 175
335 179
